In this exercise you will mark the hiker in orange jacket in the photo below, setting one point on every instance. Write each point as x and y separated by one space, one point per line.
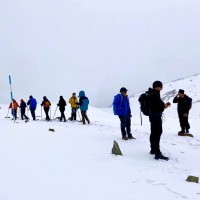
46 104
14 105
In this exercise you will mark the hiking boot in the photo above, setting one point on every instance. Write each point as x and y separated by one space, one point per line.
187 131
124 138
130 137
160 156
152 152
182 134
182 131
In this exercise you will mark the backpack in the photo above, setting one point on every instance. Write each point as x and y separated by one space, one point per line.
190 102
144 104
46 104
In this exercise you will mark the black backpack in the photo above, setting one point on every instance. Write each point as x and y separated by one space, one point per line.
144 104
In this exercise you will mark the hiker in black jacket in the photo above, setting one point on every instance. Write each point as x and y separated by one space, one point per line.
23 109
184 105
156 106
62 104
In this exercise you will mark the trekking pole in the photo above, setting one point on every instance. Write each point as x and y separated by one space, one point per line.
50 112
18 112
27 112
8 113
55 113
79 115
41 113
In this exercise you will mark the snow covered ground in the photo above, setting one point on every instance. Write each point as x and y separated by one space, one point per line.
75 161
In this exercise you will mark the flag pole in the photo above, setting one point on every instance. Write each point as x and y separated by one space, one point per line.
11 94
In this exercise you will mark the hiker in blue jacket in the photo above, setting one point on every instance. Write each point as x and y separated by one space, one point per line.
32 106
121 107
83 103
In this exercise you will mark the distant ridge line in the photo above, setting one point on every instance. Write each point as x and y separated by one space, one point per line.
179 79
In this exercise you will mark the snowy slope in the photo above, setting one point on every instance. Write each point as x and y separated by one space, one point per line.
191 85
75 161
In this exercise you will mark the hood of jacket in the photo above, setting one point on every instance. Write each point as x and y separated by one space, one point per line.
81 94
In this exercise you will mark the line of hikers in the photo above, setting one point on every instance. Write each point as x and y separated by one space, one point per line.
150 103
152 106
82 103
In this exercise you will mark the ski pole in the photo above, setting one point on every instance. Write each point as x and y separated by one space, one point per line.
141 117
55 113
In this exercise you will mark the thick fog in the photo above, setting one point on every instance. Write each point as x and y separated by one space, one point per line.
56 47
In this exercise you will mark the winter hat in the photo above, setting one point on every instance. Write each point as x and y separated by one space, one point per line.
157 84
123 89
31 97
181 91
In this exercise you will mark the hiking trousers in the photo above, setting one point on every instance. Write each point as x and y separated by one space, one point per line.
46 110
62 115
33 113
156 132
14 113
84 116
23 115
73 114
184 124
125 125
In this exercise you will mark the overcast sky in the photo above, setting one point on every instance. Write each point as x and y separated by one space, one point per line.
56 47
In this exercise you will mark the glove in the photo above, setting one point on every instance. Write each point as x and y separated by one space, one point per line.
185 115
